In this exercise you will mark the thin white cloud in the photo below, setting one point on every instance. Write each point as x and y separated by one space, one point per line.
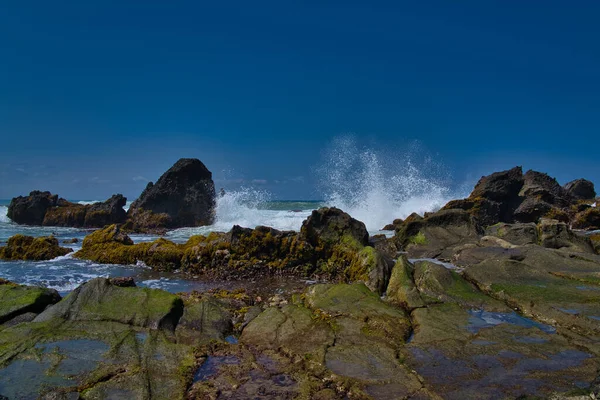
259 181
139 178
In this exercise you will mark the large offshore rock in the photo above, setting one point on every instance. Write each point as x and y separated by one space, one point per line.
21 247
30 210
182 196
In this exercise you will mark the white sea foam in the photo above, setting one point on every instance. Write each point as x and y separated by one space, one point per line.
3 217
376 186
87 203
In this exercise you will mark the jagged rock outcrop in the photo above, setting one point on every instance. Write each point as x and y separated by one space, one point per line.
28 248
43 208
511 196
182 196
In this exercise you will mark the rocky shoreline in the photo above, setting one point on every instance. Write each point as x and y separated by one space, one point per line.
496 296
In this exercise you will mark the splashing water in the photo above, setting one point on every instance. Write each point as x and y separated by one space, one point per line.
375 187
250 208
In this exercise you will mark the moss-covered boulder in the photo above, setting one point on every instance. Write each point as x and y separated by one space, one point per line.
21 247
99 300
327 227
401 289
16 300
112 246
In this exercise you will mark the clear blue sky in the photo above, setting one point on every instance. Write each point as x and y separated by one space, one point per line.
97 97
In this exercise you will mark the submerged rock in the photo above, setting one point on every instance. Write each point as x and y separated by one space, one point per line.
182 196
28 248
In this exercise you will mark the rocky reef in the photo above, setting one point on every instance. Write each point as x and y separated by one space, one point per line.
331 245
182 196
44 208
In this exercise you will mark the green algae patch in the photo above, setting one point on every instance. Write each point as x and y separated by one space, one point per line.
418 239
28 248
16 300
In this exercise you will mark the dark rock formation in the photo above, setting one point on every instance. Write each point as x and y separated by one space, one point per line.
580 189
43 208
21 247
30 210
182 196
511 196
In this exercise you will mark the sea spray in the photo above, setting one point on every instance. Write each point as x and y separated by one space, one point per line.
376 186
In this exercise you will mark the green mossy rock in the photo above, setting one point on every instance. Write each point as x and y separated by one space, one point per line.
16 300
343 331
401 289
99 300
21 247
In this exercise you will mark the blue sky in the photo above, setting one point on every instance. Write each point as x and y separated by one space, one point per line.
98 97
